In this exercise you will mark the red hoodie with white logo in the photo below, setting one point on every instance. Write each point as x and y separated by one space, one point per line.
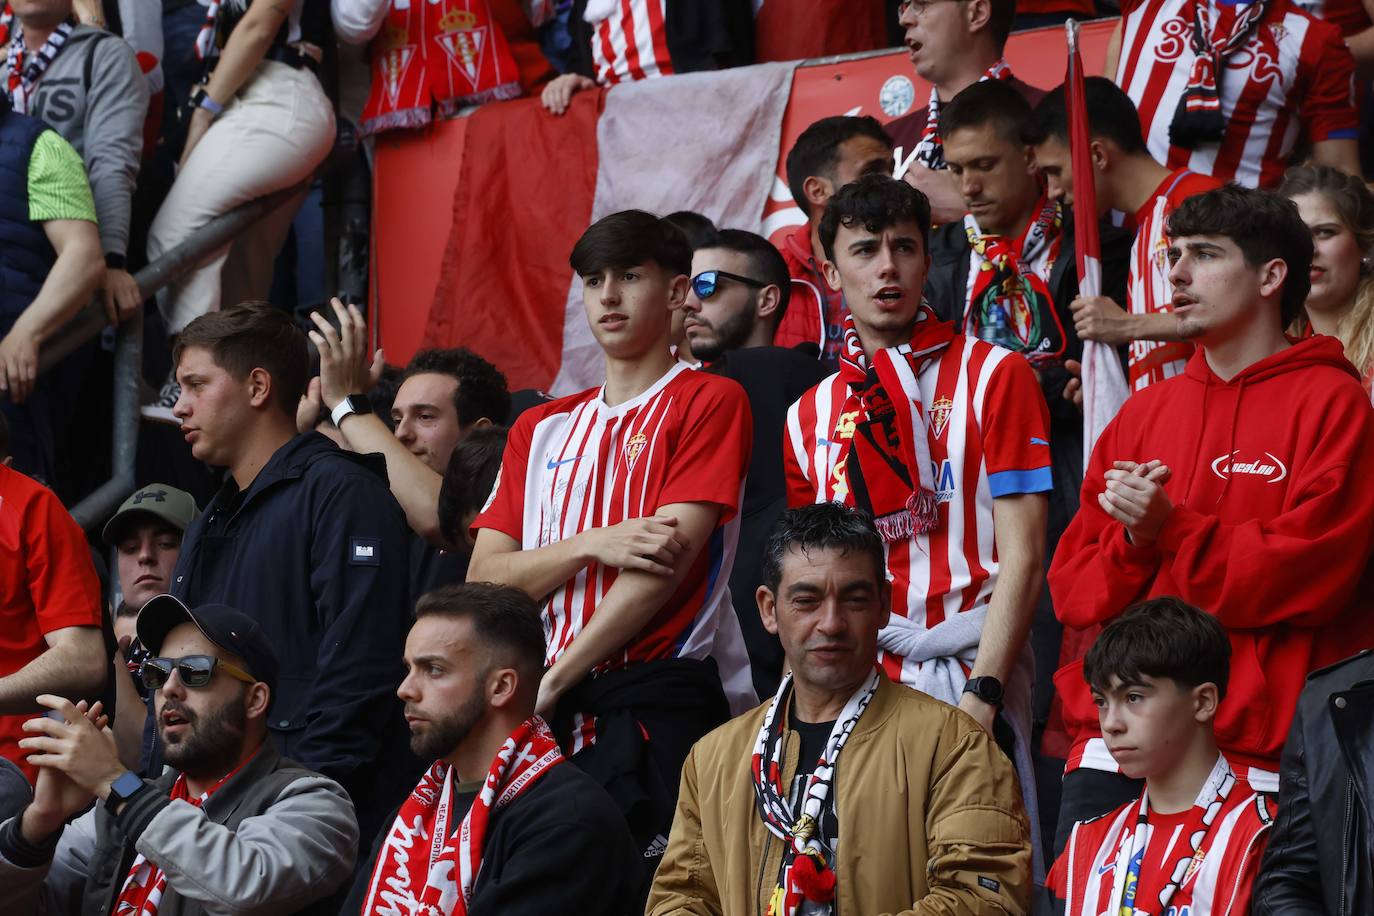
1272 529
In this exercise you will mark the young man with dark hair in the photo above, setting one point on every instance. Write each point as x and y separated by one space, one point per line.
1192 841
230 826
944 439
1233 89
739 292
951 46
146 533
892 803
1006 273
306 538
1227 487
828 155
503 827
468 479
1128 179
617 509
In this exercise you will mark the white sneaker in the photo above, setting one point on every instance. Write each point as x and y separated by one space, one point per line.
160 410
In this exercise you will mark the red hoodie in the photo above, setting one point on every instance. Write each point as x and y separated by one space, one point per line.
1272 529
815 311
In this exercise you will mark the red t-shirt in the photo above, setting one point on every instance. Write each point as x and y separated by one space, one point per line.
1294 77
1347 15
47 582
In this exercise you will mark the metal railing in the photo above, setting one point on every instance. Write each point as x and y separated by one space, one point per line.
128 351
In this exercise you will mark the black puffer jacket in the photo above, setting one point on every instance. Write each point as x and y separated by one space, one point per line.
1320 858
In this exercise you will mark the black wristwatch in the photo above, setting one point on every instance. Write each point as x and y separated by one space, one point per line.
988 689
123 789
353 403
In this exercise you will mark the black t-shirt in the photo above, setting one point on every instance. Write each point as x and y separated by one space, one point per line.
813 738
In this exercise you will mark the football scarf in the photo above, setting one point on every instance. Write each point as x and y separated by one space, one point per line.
930 151
1198 120
887 460
25 68
1131 852
441 882
444 54
145 884
1009 302
807 873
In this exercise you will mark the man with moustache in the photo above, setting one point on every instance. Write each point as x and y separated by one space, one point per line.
231 826
507 828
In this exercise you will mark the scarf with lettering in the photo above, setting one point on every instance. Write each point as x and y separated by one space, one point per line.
930 151
25 68
807 872
1197 119
887 460
142 892
438 877
1009 301
444 54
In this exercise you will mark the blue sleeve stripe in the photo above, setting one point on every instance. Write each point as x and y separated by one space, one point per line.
1349 133
1006 483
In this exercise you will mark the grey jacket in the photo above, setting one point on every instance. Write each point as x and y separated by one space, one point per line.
95 96
272 840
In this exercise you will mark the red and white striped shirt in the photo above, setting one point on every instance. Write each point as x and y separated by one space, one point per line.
988 431
631 43
1218 881
575 463
1295 76
1149 291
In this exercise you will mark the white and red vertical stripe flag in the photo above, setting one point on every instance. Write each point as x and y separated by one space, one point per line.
1104 381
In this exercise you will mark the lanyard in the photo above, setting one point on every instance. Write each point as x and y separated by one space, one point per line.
1131 853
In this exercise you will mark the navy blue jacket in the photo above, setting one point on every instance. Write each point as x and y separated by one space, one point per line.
25 253
316 551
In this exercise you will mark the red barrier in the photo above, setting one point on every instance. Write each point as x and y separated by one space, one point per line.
416 171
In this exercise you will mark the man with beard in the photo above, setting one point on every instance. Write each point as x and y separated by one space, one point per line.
231 826
739 296
507 828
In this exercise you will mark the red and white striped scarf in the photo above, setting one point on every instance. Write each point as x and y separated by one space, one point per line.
930 151
805 873
142 892
887 460
398 885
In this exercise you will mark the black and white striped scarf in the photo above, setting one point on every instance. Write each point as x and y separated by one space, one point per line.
25 68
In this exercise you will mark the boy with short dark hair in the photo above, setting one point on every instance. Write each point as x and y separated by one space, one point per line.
617 509
1193 839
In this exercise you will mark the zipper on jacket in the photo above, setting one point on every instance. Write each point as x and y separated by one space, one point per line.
1345 847
763 866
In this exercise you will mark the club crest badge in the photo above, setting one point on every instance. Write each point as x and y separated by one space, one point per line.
939 415
633 447
463 42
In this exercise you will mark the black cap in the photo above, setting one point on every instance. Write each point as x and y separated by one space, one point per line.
230 629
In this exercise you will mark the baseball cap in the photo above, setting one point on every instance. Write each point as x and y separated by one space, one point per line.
175 507
230 629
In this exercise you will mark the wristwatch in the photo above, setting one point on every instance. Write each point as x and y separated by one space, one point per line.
123 789
201 99
988 689
353 403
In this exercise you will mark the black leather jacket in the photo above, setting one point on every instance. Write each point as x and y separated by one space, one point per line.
1320 858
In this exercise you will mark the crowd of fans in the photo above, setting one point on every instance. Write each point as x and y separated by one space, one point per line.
361 618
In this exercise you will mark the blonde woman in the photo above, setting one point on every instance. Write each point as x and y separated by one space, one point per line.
1339 209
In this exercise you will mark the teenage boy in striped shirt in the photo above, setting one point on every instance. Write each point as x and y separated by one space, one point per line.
618 509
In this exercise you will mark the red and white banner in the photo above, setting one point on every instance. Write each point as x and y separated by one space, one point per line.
1104 381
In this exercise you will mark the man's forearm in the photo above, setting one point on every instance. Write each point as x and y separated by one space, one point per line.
67 670
628 607
536 572
1009 618
414 484
1161 326
70 285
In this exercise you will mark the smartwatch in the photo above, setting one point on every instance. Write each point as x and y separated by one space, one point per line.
353 403
123 789
201 99
987 689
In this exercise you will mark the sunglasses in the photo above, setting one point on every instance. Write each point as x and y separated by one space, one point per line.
194 671
707 282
